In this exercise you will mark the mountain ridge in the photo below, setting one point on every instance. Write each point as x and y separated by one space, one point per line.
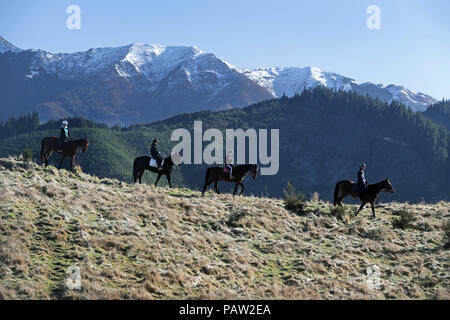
135 82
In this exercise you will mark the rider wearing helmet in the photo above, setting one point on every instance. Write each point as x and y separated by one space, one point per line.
155 153
362 182
64 134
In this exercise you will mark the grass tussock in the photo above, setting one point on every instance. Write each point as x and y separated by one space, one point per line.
343 213
74 236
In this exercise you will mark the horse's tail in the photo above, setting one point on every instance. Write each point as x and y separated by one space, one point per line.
206 179
42 149
336 193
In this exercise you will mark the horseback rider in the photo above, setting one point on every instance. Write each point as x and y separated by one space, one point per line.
64 135
362 182
229 163
156 154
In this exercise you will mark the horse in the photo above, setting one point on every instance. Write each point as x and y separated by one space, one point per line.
142 163
69 149
215 174
347 187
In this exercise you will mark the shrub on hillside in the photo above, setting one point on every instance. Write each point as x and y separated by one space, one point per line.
294 201
404 221
27 155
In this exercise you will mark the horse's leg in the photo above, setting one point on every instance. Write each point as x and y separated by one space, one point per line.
372 204
47 157
72 163
216 187
242 188
207 184
360 208
60 164
140 176
340 197
235 188
157 179
168 180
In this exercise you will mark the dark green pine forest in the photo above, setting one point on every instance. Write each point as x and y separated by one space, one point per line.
324 136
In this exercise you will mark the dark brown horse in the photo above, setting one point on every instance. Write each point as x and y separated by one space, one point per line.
216 174
69 149
347 187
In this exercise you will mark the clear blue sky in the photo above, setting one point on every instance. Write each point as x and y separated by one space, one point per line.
411 49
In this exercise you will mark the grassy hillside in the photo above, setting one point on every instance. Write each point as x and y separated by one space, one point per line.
141 242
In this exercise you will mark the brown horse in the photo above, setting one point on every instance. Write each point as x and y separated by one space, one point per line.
69 149
216 174
347 187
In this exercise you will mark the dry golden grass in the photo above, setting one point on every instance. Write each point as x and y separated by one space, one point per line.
140 242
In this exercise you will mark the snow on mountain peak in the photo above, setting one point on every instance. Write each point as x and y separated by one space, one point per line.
6 46
153 62
292 80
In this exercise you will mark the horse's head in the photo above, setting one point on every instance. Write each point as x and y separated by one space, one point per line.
84 145
388 186
254 171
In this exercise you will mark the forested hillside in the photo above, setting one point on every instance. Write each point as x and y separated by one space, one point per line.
439 113
324 136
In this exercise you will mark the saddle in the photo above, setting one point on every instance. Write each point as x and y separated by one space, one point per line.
153 163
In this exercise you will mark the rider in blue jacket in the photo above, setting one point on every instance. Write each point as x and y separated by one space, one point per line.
64 134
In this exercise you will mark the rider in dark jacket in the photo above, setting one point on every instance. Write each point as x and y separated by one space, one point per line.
362 182
155 153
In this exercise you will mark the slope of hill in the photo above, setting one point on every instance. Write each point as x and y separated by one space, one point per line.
76 236
144 82
324 136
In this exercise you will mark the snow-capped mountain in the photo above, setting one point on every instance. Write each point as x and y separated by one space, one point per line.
6 46
292 80
146 82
